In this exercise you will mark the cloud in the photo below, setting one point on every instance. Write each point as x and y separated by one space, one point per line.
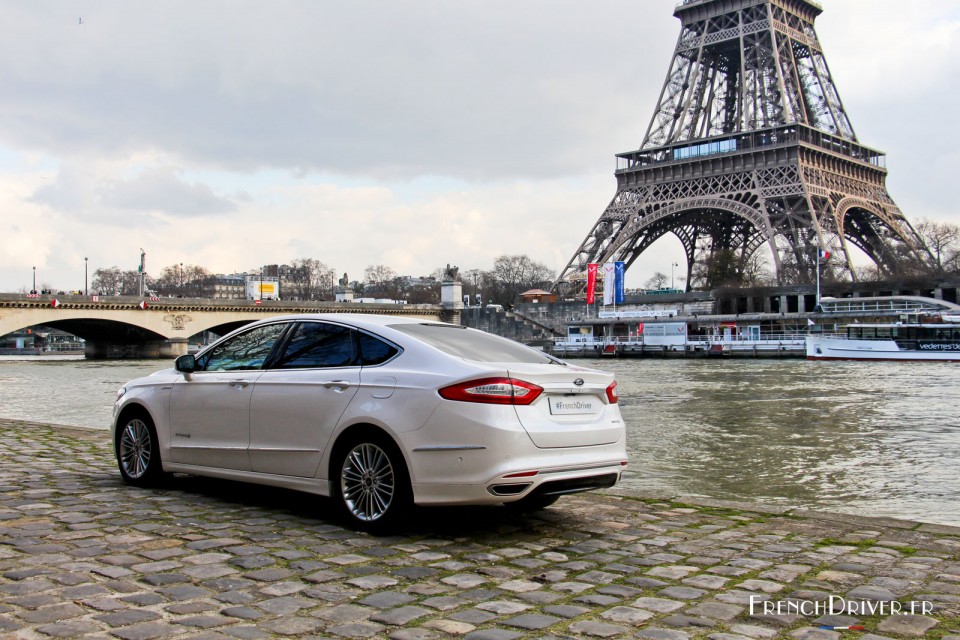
383 90
92 190
163 190
410 133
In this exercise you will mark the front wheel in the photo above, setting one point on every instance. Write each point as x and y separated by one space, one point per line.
372 488
138 452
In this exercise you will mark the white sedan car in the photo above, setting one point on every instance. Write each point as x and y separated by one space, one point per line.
378 412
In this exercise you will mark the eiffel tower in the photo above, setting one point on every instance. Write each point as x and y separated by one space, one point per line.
750 147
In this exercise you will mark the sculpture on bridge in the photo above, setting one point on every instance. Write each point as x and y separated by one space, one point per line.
451 274
177 321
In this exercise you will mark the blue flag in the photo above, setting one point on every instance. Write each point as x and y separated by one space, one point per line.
620 269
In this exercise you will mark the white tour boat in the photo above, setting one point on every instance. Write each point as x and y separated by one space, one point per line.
921 340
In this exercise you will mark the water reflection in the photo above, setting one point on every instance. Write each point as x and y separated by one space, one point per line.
877 438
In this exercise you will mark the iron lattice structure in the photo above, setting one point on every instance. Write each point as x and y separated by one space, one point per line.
750 147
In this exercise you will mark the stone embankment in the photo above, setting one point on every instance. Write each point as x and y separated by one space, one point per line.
82 555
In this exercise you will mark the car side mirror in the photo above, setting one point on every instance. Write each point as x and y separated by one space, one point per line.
186 365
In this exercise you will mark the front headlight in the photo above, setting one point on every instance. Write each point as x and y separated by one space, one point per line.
120 392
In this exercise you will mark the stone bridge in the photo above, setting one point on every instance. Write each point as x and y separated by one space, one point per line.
130 327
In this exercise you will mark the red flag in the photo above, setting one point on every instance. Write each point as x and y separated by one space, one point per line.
143 304
591 281
55 303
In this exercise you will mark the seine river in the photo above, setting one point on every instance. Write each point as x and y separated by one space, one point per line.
874 439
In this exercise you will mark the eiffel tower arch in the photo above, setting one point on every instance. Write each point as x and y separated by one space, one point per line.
751 156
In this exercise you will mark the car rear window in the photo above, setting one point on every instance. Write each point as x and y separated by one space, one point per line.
472 345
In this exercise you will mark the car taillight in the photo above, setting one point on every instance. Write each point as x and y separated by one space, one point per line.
493 391
612 395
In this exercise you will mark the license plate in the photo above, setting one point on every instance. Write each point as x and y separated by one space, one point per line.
574 406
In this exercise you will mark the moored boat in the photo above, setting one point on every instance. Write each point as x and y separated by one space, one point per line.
920 340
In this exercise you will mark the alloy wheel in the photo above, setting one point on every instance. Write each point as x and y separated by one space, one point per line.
136 448
368 482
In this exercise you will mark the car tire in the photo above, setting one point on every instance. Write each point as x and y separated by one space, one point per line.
138 451
531 503
371 483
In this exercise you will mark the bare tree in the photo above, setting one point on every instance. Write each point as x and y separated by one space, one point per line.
130 282
308 279
716 268
943 241
756 271
198 281
108 281
169 282
512 275
380 280
656 281
111 281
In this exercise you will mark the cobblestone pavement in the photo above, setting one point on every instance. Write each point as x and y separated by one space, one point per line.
83 555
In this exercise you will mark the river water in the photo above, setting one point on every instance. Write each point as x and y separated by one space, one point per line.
868 438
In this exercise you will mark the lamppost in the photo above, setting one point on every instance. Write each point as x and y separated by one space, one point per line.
85 289
672 266
34 280
181 279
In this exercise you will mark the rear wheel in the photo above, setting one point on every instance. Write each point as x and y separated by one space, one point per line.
138 452
371 483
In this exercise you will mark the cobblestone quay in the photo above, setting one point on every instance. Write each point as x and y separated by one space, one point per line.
83 555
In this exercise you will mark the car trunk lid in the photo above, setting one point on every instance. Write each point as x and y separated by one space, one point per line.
572 411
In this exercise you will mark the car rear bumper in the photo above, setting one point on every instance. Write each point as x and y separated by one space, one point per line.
509 487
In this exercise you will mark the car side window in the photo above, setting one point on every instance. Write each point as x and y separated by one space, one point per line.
318 345
246 351
374 350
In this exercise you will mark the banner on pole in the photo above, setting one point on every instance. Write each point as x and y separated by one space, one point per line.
609 282
620 271
591 282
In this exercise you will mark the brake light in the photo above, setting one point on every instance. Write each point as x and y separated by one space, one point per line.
493 391
612 394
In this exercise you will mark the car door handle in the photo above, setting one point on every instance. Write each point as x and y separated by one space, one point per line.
239 384
337 385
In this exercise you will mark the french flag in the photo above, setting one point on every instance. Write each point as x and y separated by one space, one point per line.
823 254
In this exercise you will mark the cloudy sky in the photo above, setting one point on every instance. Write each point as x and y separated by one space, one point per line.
410 133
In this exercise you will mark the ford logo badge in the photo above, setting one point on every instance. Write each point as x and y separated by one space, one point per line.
578 382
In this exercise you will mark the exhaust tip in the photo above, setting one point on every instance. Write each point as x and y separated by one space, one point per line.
508 489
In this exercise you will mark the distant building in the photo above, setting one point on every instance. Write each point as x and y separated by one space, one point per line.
229 287
537 296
